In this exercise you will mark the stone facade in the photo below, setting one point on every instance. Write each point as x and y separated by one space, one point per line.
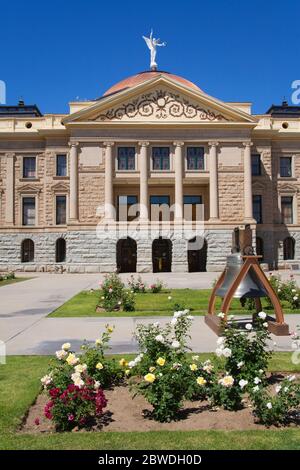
156 110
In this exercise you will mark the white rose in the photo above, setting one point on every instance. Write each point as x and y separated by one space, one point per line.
169 298
243 383
190 317
240 364
269 405
61 354
257 380
294 290
46 380
80 368
231 317
262 315
185 311
177 314
226 352
174 321
277 388
175 344
66 346
159 338
221 315
291 378
97 385
265 324
256 388
248 326
131 364
195 358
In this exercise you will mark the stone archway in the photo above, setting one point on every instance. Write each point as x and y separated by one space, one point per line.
197 255
162 255
126 255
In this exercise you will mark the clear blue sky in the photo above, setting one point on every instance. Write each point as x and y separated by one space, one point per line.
54 51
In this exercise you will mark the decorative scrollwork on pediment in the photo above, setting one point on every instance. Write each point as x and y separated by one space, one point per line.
161 104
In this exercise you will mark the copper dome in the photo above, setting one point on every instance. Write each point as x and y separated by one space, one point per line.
144 76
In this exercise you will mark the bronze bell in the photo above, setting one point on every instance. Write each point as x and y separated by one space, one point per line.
250 287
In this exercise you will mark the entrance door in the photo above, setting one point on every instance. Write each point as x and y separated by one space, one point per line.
161 255
126 255
197 256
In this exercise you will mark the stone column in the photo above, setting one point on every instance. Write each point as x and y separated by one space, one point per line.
178 181
74 182
108 186
213 182
143 165
10 188
248 211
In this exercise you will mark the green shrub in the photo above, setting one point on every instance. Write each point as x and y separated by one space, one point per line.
136 285
114 296
156 287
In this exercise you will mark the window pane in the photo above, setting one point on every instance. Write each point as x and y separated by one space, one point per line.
192 211
61 204
256 164
285 166
124 204
195 158
28 211
61 165
287 209
126 158
257 209
29 167
161 158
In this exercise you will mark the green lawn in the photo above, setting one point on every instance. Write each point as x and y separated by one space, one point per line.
6 282
19 386
148 304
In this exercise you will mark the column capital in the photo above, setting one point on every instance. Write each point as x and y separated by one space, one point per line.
143 143
109 143
73 144
178 143
213 143
247 144
10 154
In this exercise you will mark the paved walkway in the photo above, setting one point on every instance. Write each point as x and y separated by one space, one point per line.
26 330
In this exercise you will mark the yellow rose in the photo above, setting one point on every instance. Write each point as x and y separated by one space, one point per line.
127 371
99 366
123 362
193 367
98 342
150 378
152 369
161 361
72 359
201 381
109 329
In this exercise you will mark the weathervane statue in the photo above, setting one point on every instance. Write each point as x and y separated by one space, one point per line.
152 43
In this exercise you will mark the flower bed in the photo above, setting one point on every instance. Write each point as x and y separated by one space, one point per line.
174 384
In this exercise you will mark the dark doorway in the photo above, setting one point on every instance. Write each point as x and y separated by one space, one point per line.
197 255
289 248
27 251
162 255
126 255
60 251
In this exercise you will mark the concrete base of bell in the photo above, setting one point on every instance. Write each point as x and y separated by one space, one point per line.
278 329
214 323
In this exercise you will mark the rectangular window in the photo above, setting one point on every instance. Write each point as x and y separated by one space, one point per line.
257 209
124 205
126 158
161 158
61 165
29 167
160 208
285 167
195 158
287 209
61 210
192 207
28 211
256 164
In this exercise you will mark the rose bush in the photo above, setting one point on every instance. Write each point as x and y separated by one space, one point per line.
114 296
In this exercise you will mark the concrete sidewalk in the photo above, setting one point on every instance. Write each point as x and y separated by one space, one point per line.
24 307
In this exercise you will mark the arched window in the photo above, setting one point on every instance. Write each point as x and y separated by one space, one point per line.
197 254
260 247
27 251
126 255
289 248
60 250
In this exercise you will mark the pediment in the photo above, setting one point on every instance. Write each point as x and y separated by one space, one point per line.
257 186
287 188
159 101
60 187
29 188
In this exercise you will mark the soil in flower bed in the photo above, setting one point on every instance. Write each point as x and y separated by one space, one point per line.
126 414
